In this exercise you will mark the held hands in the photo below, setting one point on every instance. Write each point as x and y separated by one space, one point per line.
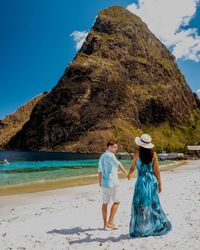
129 176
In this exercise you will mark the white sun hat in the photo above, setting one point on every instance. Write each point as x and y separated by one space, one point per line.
144 141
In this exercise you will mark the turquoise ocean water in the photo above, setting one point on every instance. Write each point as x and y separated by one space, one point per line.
27 167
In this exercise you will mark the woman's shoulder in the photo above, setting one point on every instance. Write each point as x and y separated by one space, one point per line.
136 152
136 155
155 156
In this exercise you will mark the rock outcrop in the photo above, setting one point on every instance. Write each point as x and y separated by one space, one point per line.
14 122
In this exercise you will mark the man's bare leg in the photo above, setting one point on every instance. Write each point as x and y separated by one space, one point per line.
113 211
104 213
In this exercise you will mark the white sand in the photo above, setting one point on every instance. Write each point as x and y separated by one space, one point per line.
70 218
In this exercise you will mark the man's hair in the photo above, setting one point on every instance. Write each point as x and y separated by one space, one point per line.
111 143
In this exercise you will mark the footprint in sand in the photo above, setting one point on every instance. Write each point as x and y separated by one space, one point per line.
38 241
4 234
90 199
38 213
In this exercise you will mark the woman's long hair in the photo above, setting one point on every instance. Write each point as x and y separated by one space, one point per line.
146 155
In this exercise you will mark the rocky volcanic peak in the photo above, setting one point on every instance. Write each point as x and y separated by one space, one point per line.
12 123
122 72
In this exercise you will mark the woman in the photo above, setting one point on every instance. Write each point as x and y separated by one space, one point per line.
147 216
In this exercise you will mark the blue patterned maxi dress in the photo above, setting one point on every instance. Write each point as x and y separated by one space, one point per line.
147 215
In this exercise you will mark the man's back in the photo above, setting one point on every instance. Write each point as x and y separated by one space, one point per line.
108 166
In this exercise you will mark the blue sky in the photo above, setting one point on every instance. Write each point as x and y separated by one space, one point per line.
36 44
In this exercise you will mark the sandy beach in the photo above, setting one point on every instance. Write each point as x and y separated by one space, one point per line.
70 218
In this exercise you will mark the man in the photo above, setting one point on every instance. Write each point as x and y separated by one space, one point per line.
109 182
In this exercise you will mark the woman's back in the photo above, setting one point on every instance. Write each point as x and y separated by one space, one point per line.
147 216
146 184
144 168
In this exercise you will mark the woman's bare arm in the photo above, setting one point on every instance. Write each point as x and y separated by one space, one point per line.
157 171
132 168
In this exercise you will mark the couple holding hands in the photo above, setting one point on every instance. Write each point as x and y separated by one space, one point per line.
147 215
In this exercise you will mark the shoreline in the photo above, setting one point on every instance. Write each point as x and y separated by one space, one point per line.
41 186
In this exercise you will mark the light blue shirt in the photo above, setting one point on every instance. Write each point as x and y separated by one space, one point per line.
108 166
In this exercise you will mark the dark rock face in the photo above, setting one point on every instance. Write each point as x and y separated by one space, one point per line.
154 111
122 71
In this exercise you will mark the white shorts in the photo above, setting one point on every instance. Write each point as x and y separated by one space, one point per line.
110 193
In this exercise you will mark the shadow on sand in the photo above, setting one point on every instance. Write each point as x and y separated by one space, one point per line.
88 238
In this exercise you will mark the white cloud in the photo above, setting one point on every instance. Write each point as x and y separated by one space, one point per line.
168 20
79 38
198 92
